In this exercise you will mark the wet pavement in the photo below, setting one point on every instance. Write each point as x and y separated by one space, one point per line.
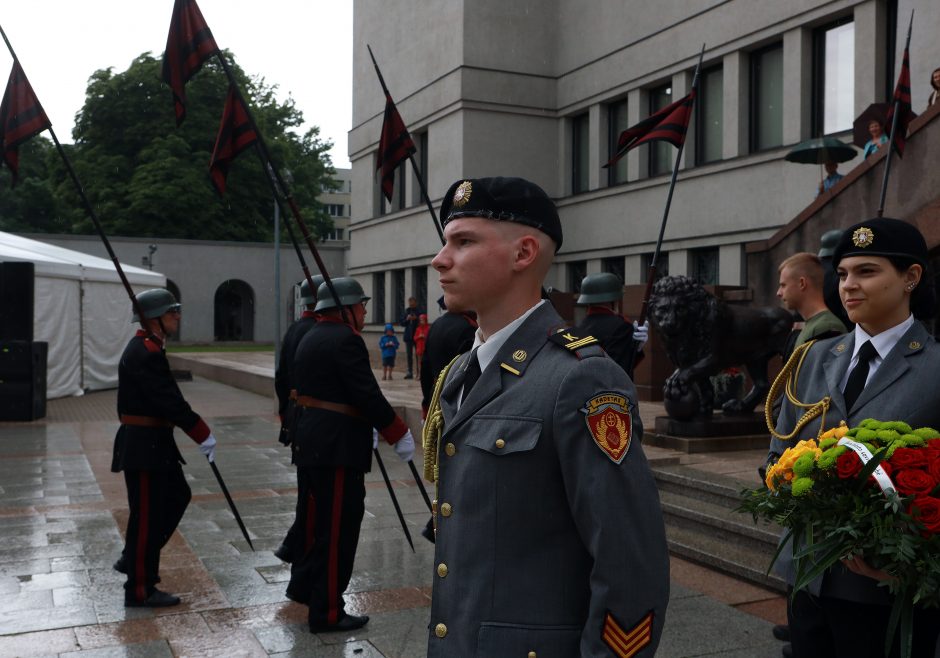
62 515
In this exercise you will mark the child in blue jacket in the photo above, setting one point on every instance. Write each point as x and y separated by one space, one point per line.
389 345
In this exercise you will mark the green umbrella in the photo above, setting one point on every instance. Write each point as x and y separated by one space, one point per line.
821 150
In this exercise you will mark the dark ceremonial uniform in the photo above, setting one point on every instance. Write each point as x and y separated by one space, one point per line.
285 405
149 404
450 335
282 375
550 537
338 404
615 334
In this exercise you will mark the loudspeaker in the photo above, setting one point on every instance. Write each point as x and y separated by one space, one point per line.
22 380
16 301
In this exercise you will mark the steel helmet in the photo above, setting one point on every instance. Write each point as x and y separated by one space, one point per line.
307 297
348 290
828 242
155 302
599 288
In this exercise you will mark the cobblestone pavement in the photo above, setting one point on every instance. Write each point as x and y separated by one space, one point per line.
62 514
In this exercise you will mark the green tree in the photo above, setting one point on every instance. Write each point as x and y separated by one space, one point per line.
146 177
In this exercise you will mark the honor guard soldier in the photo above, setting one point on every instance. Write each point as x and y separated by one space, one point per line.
285 395
886 368
621 339
150 404
550 539
338 405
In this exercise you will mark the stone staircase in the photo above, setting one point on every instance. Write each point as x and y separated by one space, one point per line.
702 526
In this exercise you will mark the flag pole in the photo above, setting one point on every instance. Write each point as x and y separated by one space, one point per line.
411 157
88 207
282 189
894 127
651 274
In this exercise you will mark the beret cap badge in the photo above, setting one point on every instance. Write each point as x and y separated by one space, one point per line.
462 194
863 237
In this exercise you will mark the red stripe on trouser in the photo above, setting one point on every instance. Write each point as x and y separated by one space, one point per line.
310 525
332 615
140 588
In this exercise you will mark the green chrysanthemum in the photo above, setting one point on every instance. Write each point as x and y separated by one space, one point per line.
865 435
827 460
912 440
825 444
871 424
804 465
898 426
802 486
926 432
887 436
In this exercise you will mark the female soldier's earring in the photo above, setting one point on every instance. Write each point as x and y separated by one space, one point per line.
910 287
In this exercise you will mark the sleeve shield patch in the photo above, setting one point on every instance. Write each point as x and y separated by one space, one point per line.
608 419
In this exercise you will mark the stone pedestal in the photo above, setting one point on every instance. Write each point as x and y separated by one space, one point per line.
716 434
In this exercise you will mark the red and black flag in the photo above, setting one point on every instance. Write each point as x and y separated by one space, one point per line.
235 135
668 124
189 44
21 117
395 145
902 102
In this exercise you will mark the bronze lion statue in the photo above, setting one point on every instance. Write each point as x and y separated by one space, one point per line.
703 335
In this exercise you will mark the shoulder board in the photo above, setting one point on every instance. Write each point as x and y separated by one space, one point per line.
571 339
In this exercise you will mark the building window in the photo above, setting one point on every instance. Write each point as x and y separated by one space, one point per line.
334 234
577 270
419 284
377 303
662 266
334 209
833 78
890 27
579 154
660 152
767 98
704 265
616 124
614 265
708 113
421 141
398 293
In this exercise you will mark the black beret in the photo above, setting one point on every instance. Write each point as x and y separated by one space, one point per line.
507 199
882 236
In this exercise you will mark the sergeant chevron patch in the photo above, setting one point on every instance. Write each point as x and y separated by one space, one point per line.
626 644
608 419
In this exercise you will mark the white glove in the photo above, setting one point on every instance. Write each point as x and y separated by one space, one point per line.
405 447
207 448
375 439
641 333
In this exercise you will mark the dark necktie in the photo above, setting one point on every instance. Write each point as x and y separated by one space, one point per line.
473 374
859 374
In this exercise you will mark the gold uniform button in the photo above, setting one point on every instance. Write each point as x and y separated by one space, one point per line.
446 509
440 630
442 570
500 443
450 449
532 654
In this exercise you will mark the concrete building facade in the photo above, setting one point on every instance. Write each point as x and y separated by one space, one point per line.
228 289
541 89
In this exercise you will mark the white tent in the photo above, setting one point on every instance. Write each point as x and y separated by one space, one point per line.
81 310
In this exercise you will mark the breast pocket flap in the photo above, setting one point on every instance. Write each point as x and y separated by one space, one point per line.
503 435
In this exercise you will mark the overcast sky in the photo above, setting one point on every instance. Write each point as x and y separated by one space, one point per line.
302 46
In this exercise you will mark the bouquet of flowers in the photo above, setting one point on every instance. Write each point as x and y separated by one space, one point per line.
871 491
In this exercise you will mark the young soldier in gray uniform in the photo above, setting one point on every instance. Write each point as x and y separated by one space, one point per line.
550 539
886 368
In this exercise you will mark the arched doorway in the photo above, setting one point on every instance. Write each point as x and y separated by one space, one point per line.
173 288
234 311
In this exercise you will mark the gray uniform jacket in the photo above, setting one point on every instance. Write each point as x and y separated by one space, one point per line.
903 388
544 542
